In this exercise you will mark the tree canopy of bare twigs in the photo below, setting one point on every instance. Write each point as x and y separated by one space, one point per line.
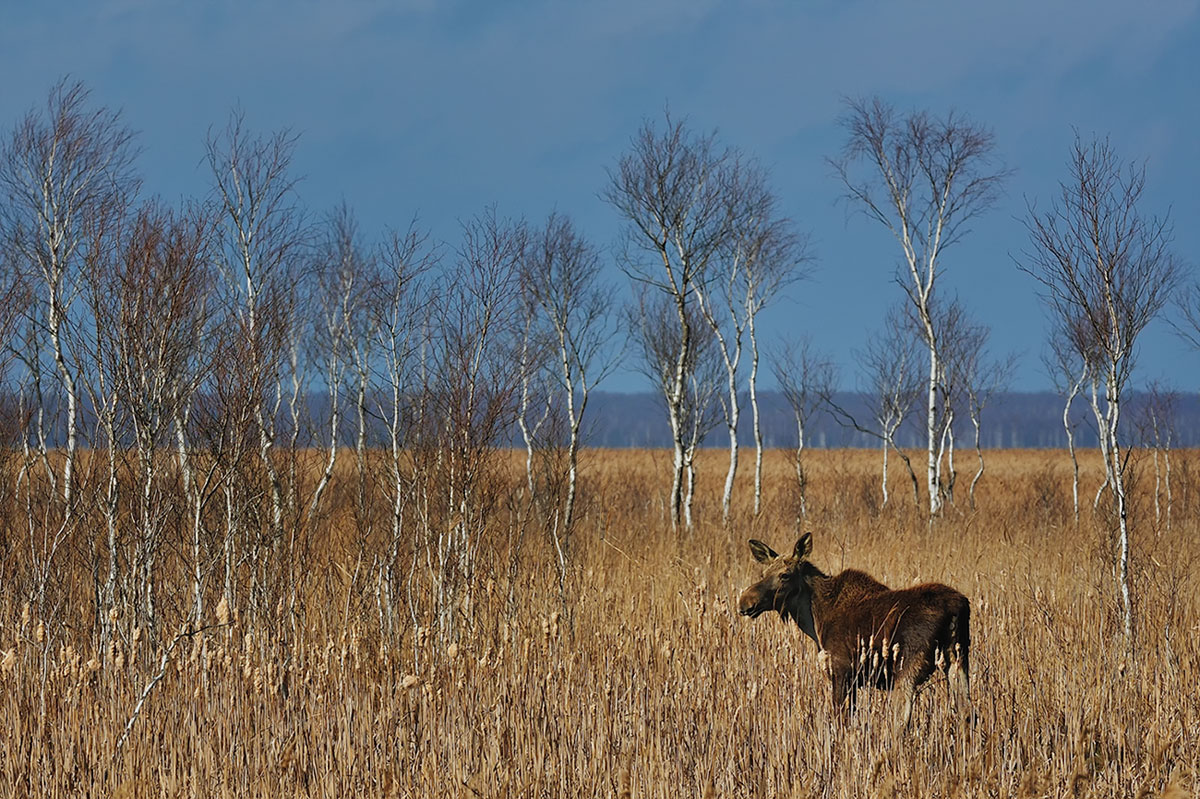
672 190
66 179
1105 271
702 227
889 376
562 276
805 379
656 336
973 375
924 179
763 256
263 240
470 371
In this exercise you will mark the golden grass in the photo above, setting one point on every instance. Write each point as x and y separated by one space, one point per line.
651 685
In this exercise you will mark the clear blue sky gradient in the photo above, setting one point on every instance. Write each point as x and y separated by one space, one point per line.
438 108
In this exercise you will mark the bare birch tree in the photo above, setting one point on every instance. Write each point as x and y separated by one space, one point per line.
805 379
535 407
777 256
656 337
262 236
563 278
1106 271
671 190
470 379
66 179
763 255
401 310
151 314
344 283
1156 429
973 377
1070 370
889 376
924 179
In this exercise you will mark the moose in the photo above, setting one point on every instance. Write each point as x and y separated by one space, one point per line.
866 633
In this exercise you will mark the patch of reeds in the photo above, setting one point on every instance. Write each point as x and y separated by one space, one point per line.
634 676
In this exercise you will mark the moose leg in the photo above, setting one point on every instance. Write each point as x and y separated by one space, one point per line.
960 689
906 693
959 673
844 693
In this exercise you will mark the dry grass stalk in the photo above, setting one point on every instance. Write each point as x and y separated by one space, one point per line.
662 691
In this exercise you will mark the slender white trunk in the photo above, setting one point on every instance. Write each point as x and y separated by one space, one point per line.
149 544
1117 473
932 435
111 498
192 494
397 482
523 409
678 387
951 474
55 321
526 434
979 456
573 454
1104 441
731 354
1075 388
1167 469
678 465
335 415
691 488
758 436
360 444
734 412
884 477
1157 488
801 477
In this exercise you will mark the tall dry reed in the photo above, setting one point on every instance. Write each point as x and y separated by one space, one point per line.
639 679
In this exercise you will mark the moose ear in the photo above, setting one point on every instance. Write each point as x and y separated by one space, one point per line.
803 546
762 552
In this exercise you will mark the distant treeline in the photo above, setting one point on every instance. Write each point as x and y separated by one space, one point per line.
1010 420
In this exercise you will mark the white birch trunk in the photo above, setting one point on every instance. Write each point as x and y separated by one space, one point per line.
932 482
979 456
691 489
801 478
572 454
1117 471
884 477
1075 388
192 495
734 413
1167 469
111 499
1104 440
335 398
758 436
678 386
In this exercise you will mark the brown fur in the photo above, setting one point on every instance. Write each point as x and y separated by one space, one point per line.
867 633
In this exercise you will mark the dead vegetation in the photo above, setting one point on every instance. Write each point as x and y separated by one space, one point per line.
643 681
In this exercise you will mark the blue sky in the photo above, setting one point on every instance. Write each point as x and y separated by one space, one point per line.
438 108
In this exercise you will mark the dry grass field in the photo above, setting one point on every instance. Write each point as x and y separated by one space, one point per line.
645 682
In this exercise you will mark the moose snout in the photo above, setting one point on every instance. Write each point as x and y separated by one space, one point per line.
747 604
